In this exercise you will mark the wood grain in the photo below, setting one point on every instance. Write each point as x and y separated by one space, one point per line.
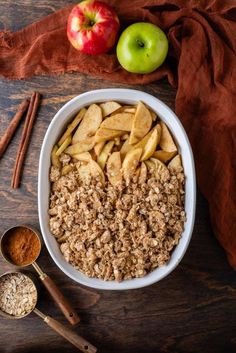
191 311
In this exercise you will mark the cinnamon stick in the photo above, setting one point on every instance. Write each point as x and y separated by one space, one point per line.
6 138
22 149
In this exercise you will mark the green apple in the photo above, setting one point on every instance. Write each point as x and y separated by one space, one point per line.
142 48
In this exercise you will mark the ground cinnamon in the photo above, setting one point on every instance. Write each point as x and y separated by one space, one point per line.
21 246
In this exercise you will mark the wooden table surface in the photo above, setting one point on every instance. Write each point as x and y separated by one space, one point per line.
192 310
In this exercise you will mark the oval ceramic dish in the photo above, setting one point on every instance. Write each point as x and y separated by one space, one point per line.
55 129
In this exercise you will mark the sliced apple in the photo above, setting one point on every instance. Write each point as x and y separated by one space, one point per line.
71 127
131 110
142 123
150 146
166 141
54 158
131 161
84 172
109 107
150 165
164 156
154 116
79 147
96 171
66 169
114 172
98 147
121 121
125 109
107 134
83 157
90 169
175 162
126 147
89 125
102 158
143 142
143 173
159 166
64 146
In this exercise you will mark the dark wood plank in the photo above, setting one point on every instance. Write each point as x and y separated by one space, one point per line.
191 311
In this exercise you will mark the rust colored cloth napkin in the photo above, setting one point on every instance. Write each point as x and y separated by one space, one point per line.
201 63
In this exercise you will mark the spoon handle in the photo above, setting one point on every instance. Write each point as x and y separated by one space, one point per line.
60 299
67 333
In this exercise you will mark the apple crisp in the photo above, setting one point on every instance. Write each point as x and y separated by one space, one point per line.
117 192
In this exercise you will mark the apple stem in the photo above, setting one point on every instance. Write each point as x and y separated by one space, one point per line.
140 43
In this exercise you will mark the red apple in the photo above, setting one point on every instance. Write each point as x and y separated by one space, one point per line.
93 27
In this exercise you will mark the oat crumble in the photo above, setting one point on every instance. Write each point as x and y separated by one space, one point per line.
116 233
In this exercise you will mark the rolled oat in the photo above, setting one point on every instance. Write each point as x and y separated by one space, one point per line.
18 295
